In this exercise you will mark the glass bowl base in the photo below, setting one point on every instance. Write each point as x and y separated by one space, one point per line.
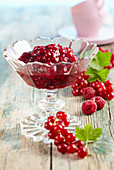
33 127
51 106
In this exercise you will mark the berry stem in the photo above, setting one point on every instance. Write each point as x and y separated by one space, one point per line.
86 145
89 154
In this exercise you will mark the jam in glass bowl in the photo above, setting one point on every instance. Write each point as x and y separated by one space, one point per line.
50 65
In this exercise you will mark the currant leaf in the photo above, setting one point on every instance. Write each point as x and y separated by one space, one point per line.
80 134
88 133
100 60
96 69
100 75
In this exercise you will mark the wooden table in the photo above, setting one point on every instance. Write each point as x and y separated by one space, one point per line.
18 99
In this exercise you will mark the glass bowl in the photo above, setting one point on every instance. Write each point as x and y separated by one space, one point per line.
49 78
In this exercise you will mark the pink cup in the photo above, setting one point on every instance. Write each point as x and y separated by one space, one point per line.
88 8
87 26
88 17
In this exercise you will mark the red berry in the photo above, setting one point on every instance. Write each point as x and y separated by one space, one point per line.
74 86
81 91
60 122
66 122
56 142
84 83
70 138
101 90
101 49
82 74
79 79
108 83
107 50
61 147
99 84
110 96
51 119
71 148
73 58
48 125
109 67
59 138
93 85
109 89
64 132
89 107
86 76
61 115
102 94
99 101
79 143
75 92
57 128
82 152
51 135
49 53
88 93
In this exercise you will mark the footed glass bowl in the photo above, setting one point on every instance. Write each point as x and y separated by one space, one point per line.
46 77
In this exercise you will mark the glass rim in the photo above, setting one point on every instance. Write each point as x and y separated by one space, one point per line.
93 50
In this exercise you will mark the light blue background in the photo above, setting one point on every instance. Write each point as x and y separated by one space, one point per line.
109 4
17 3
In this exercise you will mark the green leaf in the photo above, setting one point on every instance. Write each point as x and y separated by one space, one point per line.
93 78
96 69
87 130
103 58
100 60
90 71
80 134
95 64
103 74
100 75
88 133
95 134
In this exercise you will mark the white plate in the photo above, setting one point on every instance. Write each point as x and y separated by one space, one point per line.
106 34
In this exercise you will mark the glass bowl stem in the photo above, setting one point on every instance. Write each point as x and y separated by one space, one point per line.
51 103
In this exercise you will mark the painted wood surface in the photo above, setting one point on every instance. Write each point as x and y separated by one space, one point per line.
18 100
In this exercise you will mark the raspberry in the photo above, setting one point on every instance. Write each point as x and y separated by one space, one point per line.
89 107
99 101
88 93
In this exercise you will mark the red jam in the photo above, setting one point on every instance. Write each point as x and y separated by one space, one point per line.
49 54
49 76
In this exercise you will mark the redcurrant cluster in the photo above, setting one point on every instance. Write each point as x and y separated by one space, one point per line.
81 82
111 65
105 90
63 139
49 54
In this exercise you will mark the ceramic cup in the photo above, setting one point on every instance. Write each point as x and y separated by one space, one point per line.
87 26
88 17
89 8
